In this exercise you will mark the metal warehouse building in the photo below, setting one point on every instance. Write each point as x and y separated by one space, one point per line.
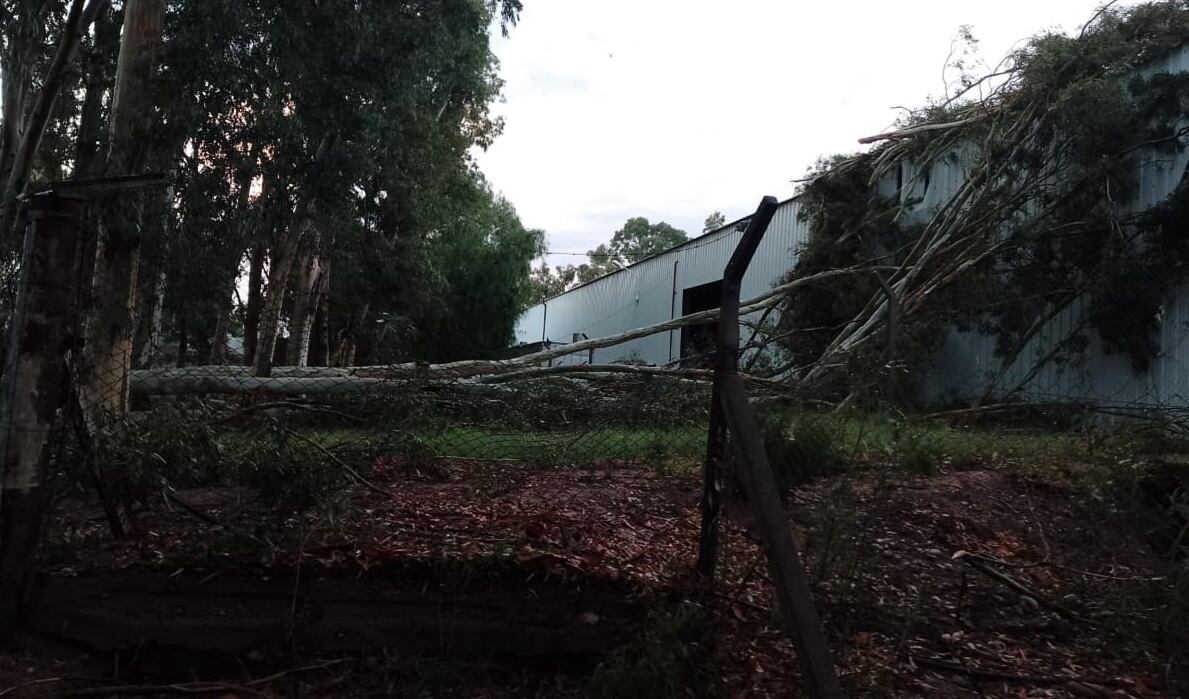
686 278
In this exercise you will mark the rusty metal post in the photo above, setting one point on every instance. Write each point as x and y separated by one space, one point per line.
754 473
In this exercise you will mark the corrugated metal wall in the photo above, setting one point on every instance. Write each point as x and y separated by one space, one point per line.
966 365
651 292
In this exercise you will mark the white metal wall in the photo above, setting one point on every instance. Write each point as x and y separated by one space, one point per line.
650 291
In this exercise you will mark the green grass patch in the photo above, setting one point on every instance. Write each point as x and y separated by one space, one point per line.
670 450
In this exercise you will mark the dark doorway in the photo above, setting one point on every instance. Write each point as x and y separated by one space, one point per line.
697 341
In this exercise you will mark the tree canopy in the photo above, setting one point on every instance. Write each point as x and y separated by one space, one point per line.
324 204
636 240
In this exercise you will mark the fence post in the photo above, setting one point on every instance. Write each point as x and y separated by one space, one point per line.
711 503
801 621
35 386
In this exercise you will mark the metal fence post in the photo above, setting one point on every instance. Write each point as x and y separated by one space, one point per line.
754 473
35 386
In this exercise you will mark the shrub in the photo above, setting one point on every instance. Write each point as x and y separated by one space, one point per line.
917 453
287 471
806 452
665 661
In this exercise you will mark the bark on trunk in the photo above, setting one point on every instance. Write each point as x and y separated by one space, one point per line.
36 389
90 141
98 74
717 444
218 354
148 341
109 355
344 353
183 341
17 85
320 345
33 129
255 301
280 266
306 297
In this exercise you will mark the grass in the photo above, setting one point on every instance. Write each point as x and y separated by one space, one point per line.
858 440
868 437
680 448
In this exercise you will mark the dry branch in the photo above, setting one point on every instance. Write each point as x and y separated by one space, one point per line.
905 133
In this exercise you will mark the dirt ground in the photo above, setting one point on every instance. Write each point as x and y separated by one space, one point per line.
497 579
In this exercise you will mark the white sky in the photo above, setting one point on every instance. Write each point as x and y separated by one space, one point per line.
672 109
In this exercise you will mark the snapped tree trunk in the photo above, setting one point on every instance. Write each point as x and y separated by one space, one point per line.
36 388
109 343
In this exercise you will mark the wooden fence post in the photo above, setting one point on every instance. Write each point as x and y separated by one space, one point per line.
34 387
754 473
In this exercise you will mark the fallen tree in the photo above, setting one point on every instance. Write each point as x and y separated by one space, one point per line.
325 380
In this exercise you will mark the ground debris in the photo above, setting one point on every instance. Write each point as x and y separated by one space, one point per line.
906 617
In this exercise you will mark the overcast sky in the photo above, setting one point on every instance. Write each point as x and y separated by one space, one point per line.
672 109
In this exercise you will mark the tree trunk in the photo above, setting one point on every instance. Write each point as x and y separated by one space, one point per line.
280 266
255 301
306 299
17 78
148 340
36 389
109 345
344 353
89 143
95 84
320 345
33 129
183 341
218 354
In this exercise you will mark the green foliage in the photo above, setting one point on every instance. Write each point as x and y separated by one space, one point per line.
802 452
133 455
547 283
288 472
666 661
714 221
637 240
659 456
916 452
482 259
1052 159
364 117
848 225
